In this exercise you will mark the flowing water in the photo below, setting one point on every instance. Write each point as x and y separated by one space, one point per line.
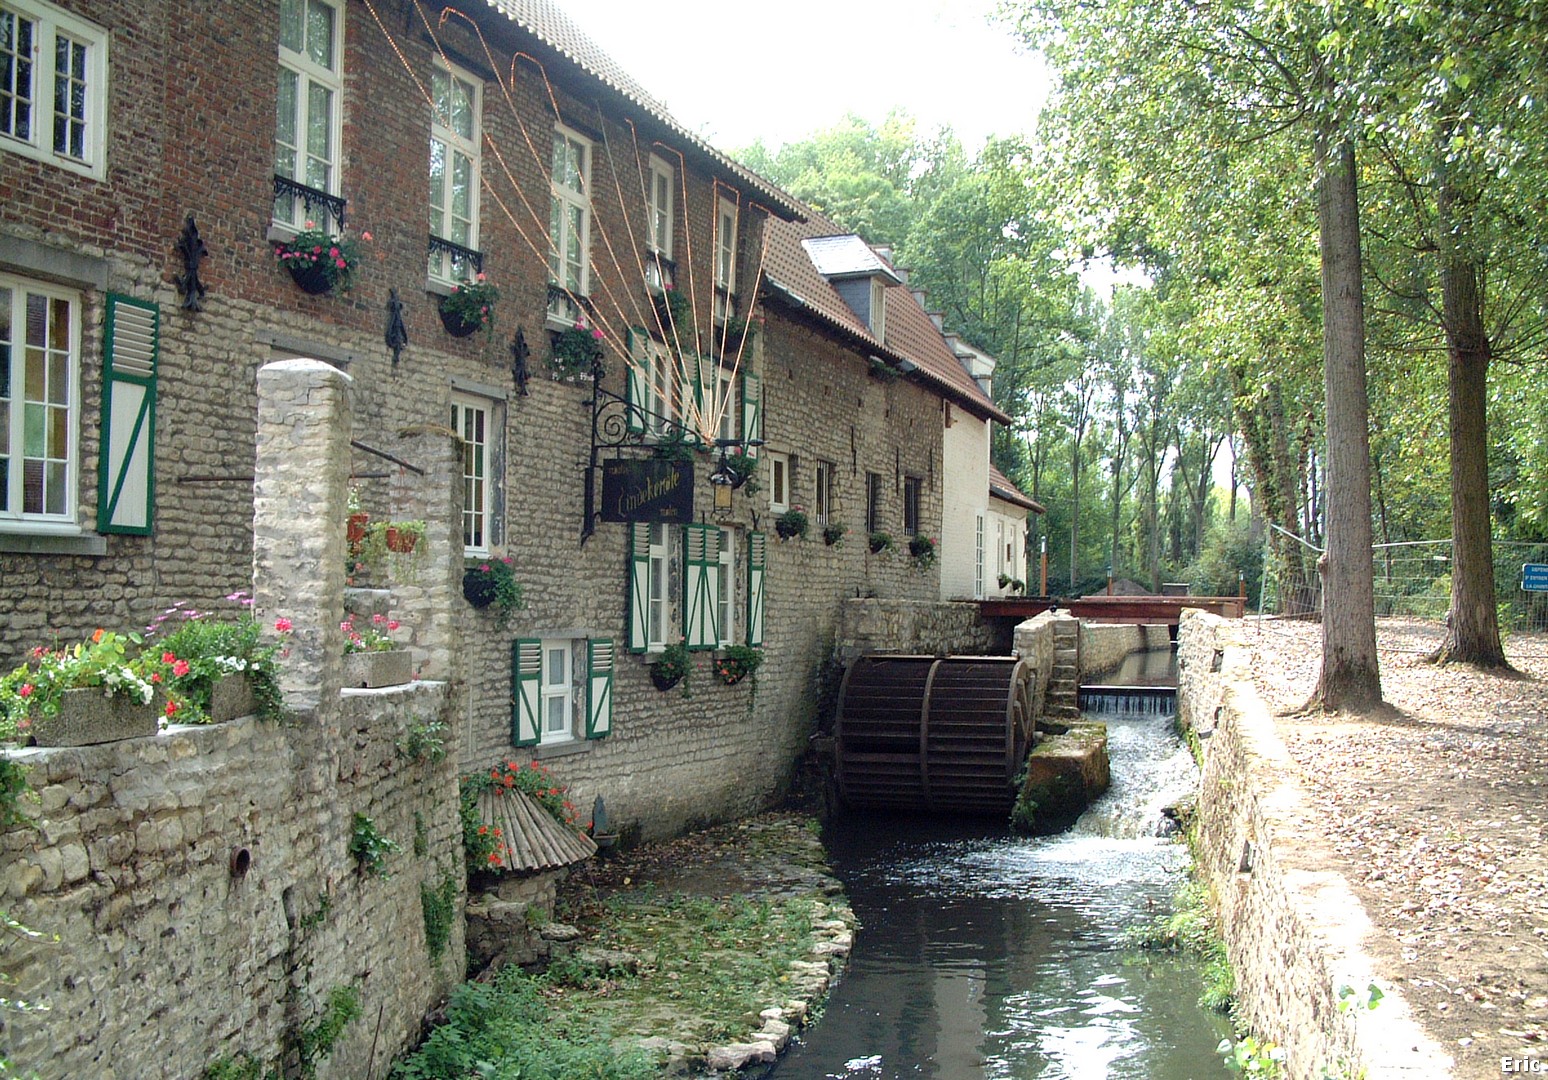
982 954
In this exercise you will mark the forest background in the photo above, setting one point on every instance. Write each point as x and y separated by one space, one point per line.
1188 146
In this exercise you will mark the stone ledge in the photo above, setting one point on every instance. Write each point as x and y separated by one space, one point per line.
1294 928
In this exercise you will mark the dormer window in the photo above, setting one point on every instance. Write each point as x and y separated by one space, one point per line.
878 309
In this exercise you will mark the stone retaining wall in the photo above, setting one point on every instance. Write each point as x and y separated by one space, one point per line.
1103 646
1294 929
1034 643
913 626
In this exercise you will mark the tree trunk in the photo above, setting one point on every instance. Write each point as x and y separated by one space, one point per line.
1473 634
1350 678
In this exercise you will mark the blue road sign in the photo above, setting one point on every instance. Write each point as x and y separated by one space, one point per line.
1534 577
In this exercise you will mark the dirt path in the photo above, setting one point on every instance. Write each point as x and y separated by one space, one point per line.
1439 813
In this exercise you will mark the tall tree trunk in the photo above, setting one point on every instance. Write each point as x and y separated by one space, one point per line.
1473 635
1350 678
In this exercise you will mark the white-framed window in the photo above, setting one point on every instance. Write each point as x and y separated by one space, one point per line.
878 309
308 117
40 349
779 482
53 86
455 134
823 502
978 557
569 213
725 596
659 591
556 692
472 420
663 391
725 258
659 207
726 399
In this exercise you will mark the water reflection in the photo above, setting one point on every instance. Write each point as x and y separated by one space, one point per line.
984 955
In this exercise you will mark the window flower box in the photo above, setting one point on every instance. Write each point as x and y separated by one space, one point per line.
378 668
89 716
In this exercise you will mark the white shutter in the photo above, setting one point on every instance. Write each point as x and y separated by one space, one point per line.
757 562
701 587
752 409
636 392
599 688
639 587
126 479
526 690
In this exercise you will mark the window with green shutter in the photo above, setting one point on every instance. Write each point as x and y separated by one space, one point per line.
599 688
757 562
701 576
526 691
126 488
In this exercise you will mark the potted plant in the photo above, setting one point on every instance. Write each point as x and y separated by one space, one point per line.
1013 584
403 541
213 670
576 351
833 533
318 261
675 312
922 548
95 691
357 521
879 542
736 329
671 667
745 466
492 582
470 307
371 658
737 662
792 523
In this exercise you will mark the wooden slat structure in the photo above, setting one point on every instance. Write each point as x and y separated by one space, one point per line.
534 839
933 733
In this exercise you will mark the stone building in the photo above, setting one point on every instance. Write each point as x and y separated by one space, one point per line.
140 292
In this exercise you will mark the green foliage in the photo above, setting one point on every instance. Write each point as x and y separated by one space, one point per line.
438 904
792 524
672 665
736 662
13 790
505 1030
483 846
373 637
879 542
473 302
336 258
1229 551
833 533
370 846
492 582
107 660
1191 929
1249 1057
318 915
576 351
316 1042
425 741
922 549
421 835
209 650
240 1067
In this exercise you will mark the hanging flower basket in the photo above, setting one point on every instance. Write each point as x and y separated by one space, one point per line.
664 682
402 540
357 527
458 325
319 262
791 524
310 277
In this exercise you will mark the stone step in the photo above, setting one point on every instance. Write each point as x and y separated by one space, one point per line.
1062 712
1065 673
1067 654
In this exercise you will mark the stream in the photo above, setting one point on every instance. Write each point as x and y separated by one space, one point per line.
982 954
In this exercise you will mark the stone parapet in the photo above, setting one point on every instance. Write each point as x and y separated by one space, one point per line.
1294 929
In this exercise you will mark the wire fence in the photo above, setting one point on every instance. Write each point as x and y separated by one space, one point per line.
1411 580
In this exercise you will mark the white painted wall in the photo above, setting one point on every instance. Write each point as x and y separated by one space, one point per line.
964 495
1007 527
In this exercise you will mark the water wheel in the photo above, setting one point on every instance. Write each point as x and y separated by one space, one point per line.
945 734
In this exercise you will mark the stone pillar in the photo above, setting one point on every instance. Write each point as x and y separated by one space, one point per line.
300 502
430 606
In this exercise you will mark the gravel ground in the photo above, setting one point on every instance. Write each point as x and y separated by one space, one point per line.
1437 812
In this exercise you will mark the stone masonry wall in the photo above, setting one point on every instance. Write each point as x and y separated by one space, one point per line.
913 626
1035 644
1103 646
200 881
1294 929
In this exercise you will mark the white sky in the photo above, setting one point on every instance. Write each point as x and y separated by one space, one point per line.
780 71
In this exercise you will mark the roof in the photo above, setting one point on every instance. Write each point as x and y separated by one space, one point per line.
533 838
1001 488
847 256
545 21
914 344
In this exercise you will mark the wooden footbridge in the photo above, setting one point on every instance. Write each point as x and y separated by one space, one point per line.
1136 610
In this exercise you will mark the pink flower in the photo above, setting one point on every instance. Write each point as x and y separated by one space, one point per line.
597 334
171 708
366 236
378 618
180 669
25 691
480 276
393 624
311 224
168 658
317 250
283 625
340 263
334 252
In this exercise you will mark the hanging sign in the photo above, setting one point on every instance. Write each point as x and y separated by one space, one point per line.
647 490
1534 577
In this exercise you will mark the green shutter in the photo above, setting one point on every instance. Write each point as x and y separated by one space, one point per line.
701 559
638 378
757 561
526 690
752 409
126 476
599 688
639 587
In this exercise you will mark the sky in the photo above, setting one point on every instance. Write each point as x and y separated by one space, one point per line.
779 71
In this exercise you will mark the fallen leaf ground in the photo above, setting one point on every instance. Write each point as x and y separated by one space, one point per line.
1438 812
